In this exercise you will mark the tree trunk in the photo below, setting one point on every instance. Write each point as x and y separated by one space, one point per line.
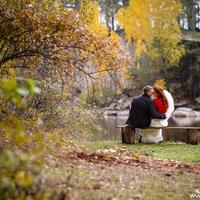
190 10
125 2
77 4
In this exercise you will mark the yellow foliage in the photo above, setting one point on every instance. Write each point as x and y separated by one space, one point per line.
160 83
23 179
74 41
152 25
91 15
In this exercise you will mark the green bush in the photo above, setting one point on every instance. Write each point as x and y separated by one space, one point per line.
19 163
26 145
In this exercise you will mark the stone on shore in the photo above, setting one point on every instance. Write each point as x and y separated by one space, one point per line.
110 112
186 112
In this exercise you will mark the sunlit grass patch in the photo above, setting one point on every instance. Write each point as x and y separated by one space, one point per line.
166 150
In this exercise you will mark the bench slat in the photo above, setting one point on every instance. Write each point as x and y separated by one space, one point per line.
168 127
193 137
177 127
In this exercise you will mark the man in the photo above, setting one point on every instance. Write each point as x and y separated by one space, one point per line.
143 110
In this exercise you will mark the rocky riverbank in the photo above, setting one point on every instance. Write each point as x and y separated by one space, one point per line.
121 106
186 112
179 112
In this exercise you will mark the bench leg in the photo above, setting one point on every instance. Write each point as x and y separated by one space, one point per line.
193 136
128 135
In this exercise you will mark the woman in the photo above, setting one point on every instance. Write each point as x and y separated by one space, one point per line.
164 103
160 101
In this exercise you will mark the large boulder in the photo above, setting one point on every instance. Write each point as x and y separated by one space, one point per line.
197 100
110 112
186 112
112 106
123 113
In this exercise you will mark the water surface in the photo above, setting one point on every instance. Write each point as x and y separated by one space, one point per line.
113 133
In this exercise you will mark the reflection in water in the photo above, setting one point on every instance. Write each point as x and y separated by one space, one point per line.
113 133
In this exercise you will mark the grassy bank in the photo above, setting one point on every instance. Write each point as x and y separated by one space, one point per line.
175 151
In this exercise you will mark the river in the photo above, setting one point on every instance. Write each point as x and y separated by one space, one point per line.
113 133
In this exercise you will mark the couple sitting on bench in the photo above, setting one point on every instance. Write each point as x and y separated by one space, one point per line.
152 109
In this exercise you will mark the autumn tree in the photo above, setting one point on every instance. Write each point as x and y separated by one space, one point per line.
33 34
154 29
108 10
56 46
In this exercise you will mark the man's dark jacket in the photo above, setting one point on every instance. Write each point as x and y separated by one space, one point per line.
142 111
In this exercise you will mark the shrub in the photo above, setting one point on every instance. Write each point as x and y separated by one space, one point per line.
19 160
98 95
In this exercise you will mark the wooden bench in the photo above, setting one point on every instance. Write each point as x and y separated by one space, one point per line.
128 134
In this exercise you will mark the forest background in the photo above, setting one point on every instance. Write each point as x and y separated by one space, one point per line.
60 61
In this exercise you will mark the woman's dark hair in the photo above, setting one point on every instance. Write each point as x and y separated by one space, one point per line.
160 94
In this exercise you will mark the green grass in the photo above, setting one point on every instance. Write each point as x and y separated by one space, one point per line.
175 151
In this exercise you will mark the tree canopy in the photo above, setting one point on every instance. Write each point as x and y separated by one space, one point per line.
33 33
153 27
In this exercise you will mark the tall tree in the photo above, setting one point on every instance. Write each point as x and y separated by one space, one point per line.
32 34
153 26
109 9
191 15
